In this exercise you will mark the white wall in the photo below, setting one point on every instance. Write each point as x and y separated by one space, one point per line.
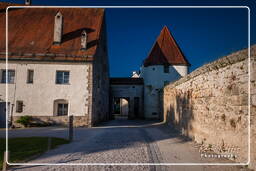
127 90
181 69
154 78
39 97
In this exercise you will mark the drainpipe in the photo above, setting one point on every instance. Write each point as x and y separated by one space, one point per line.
14 95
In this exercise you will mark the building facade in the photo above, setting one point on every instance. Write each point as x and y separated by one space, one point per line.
164 64
57 65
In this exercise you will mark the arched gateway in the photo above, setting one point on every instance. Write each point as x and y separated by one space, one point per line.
126 98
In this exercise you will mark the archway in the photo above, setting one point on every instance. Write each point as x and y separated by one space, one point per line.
120 109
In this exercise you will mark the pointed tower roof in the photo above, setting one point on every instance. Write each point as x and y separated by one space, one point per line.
165 51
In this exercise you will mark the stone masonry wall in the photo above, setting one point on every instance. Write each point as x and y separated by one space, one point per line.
210 105
78 121
253 112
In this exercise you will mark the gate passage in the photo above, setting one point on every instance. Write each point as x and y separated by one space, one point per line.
126 98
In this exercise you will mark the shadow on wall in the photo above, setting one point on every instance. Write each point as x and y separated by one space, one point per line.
179 114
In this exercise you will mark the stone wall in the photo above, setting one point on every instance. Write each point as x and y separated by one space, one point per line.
78 121
100 80
210 105
253 112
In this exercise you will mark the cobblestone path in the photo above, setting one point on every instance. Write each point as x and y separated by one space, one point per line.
123 142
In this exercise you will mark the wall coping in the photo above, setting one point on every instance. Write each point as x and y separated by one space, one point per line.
233 58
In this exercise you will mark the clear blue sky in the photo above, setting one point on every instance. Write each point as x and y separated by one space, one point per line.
203 34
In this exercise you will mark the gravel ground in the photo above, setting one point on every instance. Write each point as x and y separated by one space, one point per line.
120 141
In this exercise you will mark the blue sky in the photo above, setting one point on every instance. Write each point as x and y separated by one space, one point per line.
203 35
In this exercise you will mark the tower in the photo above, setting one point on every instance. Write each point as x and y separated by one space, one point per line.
165 63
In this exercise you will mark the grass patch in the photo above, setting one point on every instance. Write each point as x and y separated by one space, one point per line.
23 148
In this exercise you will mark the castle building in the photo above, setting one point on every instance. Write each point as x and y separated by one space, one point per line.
57 65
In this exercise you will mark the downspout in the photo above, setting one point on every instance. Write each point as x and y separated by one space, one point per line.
14 95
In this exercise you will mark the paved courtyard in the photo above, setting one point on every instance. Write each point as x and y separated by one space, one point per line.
119 141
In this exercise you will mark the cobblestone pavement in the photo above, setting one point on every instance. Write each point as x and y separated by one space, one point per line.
123 141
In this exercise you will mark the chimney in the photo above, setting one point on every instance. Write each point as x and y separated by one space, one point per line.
58 28
83 40
28 2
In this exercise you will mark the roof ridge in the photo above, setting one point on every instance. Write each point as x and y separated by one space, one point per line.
165 51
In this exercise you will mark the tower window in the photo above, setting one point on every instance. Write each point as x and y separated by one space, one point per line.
166 69
166 83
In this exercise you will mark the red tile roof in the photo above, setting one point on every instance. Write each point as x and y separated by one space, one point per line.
31 33
4 5
165 51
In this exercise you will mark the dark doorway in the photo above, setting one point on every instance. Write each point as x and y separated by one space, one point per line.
116 106
120 108
136 106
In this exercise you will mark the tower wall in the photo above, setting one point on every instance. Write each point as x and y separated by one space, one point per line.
155 78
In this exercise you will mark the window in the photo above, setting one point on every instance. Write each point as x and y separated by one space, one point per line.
19 106
30 76
10 76
166 69
62 77
62 109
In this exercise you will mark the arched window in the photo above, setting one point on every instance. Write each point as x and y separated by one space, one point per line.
166 69
60 107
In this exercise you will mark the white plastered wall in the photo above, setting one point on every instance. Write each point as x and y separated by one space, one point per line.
154 80
38 98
